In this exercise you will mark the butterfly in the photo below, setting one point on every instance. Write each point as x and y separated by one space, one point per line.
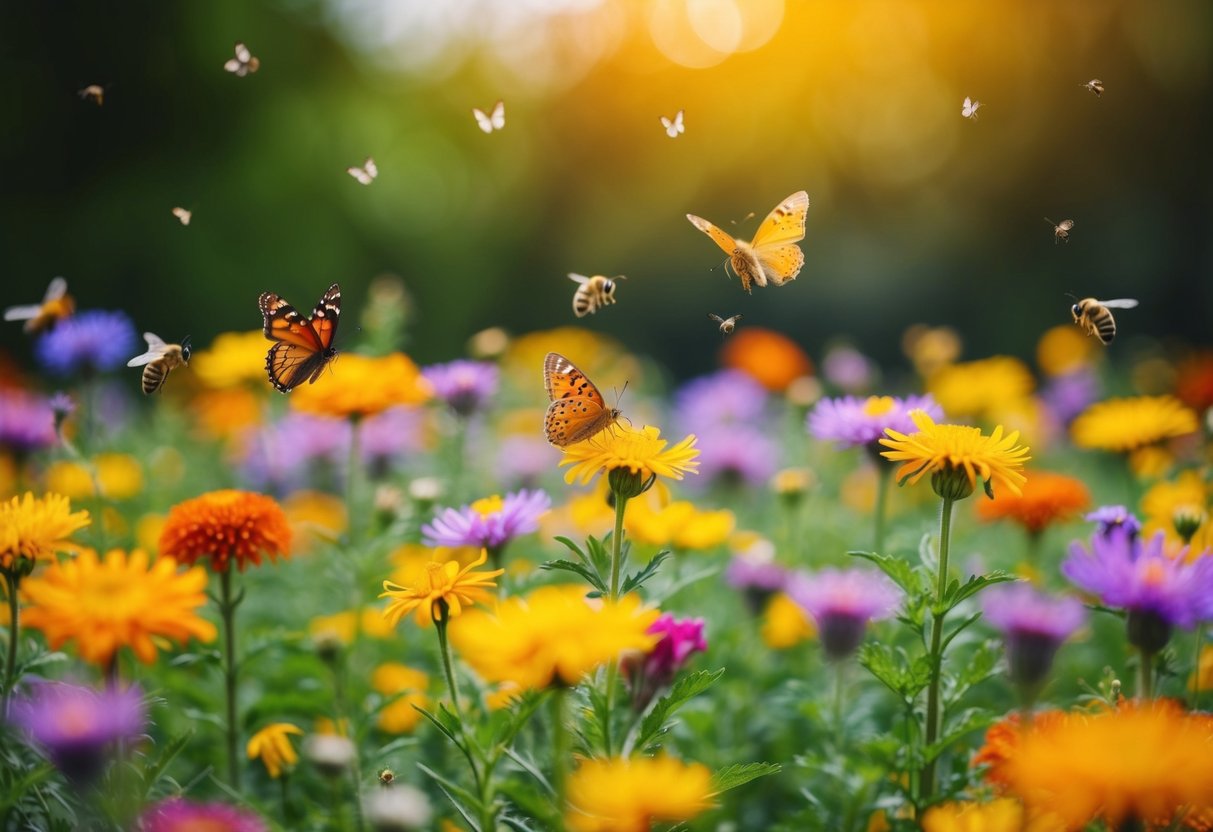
673 127
304 347
577 410
490 121
244 62
183 215
1095 86
969 108
365 174
773 254
56 305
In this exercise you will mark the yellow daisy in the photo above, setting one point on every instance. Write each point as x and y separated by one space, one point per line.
622 795
443 594
643 452
36 529
119 475
1128 424
272 745
981 389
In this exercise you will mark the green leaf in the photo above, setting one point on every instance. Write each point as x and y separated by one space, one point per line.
590 576
963 724
684 689
960 628
898 569
976 668
451 790
574 548
730 777
441 725
957 593
893 668
650 569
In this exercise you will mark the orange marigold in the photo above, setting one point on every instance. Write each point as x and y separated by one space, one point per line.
226 525
1047 498
774 360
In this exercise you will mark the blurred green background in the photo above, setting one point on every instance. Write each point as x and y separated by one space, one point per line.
917 214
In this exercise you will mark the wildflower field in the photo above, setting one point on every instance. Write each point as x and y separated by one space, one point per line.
393 547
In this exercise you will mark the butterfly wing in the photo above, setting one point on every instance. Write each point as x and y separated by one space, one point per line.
289 365
372 170
360 174
718 235
785 224
498 116
578 410
781 263
482 120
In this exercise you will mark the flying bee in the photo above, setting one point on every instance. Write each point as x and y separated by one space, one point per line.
244 62
1095 86
593 293
727 325
161 359
1094 316
1061 230
93 92
56 305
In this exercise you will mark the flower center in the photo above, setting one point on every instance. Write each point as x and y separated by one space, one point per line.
488 506
878 405
1154 574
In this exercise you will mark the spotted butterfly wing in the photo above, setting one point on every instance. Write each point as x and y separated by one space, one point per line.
578 410
304 345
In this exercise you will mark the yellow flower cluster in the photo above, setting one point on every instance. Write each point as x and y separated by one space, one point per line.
406 687
232 359
37 528
678 524
364 386
1188 496
120 477
985 389
630 795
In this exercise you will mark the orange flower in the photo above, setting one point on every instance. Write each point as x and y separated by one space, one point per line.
1194 381
224 526
1047 498
1002 739
774 360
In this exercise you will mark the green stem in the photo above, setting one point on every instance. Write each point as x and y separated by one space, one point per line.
14 636
458 440
227 612
840 670
1145 676
560 746
352 478
927 784
612 678
283 796
1200 643
440 622
884 473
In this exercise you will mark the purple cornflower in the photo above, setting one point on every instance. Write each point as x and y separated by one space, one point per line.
387 437
736 454
77 726
288 454
463 385
177 814
27 422
729 397
1034 626
489 523
851 422
92 341
1070 394
848 369
754 571
679 639
522 460
1114 521
842 602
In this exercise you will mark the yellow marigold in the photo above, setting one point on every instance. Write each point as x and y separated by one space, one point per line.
37 529
1148 762
443 594
121 601
360 385
407 686
232 359
1064 349
630 795
1002 815
952 450
342 627
1127 424
678 524
553 634
772 359
1188 495
315 517
227 414
272 745
119 475
1047 498
785 623
643 452
980 389
224 526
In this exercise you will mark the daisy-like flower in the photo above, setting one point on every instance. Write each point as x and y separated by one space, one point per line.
851 422
642 452
1045 499
1002 740
272 745
121 601
443 594
630 795
680 638
1125 425
232 359
465 386
956 456
489 523
678 524
226 526
1182 504
77 727
981 389
36 529
361 386
1034 626
180 815
88 342
27 422
553 635
842 602
1114 521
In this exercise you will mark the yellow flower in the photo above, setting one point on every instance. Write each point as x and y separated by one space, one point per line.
360 385
120 477
952 450
630 795
148 529
678 524
981 389
930 349
314 517
785 623
226 525
1202 678
232 359
1002 815
1127 424
412 560
408 685
598 356
341 627
227 414
121 601
272 744
1187 495
792 483
583 515
443 594
643 452
1064 349
553 634
37 528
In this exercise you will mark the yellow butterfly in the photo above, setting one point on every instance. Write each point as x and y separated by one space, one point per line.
773 254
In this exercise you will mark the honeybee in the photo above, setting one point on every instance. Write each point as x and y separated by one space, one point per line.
1093 316
1061 230
244 62
94 92
593 293
161 359
969 108
1095 86
727 325
56 305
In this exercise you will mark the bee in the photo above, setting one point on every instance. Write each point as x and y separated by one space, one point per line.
1093 316
593 293
1061 230
969 108
244 62
56 305
1095 86
727 325
93 92
183 215
161 359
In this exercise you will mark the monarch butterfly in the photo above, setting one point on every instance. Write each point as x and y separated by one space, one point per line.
305 346
578 410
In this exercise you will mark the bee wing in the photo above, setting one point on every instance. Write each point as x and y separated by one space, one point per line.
22 313
55 290
1066 225
1119 303
154 341
716 318
498 116
579 278
736 318
155 349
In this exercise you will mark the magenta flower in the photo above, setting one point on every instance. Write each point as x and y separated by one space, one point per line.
27 422
77 727
851 422
1034 626
679 639
842 602
179 815
489 523
464 385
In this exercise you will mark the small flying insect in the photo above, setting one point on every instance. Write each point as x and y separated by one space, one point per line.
244 62
1094 316
159 360
56 305
969 108
1061 230
727 325
365 174
673 127
1095 86
183 215
593 293
94 93
490 121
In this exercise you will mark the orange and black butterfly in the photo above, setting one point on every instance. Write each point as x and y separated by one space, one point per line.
578 410
305 345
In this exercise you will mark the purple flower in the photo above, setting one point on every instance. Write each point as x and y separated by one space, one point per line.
754 571
292 452
679 639
522 460
76 726
843 601
463 385
736 454
1034 626
489 523
729 397
848 369
92 341
27 422
851 422
179 815
1114 521
1070 394
387 437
